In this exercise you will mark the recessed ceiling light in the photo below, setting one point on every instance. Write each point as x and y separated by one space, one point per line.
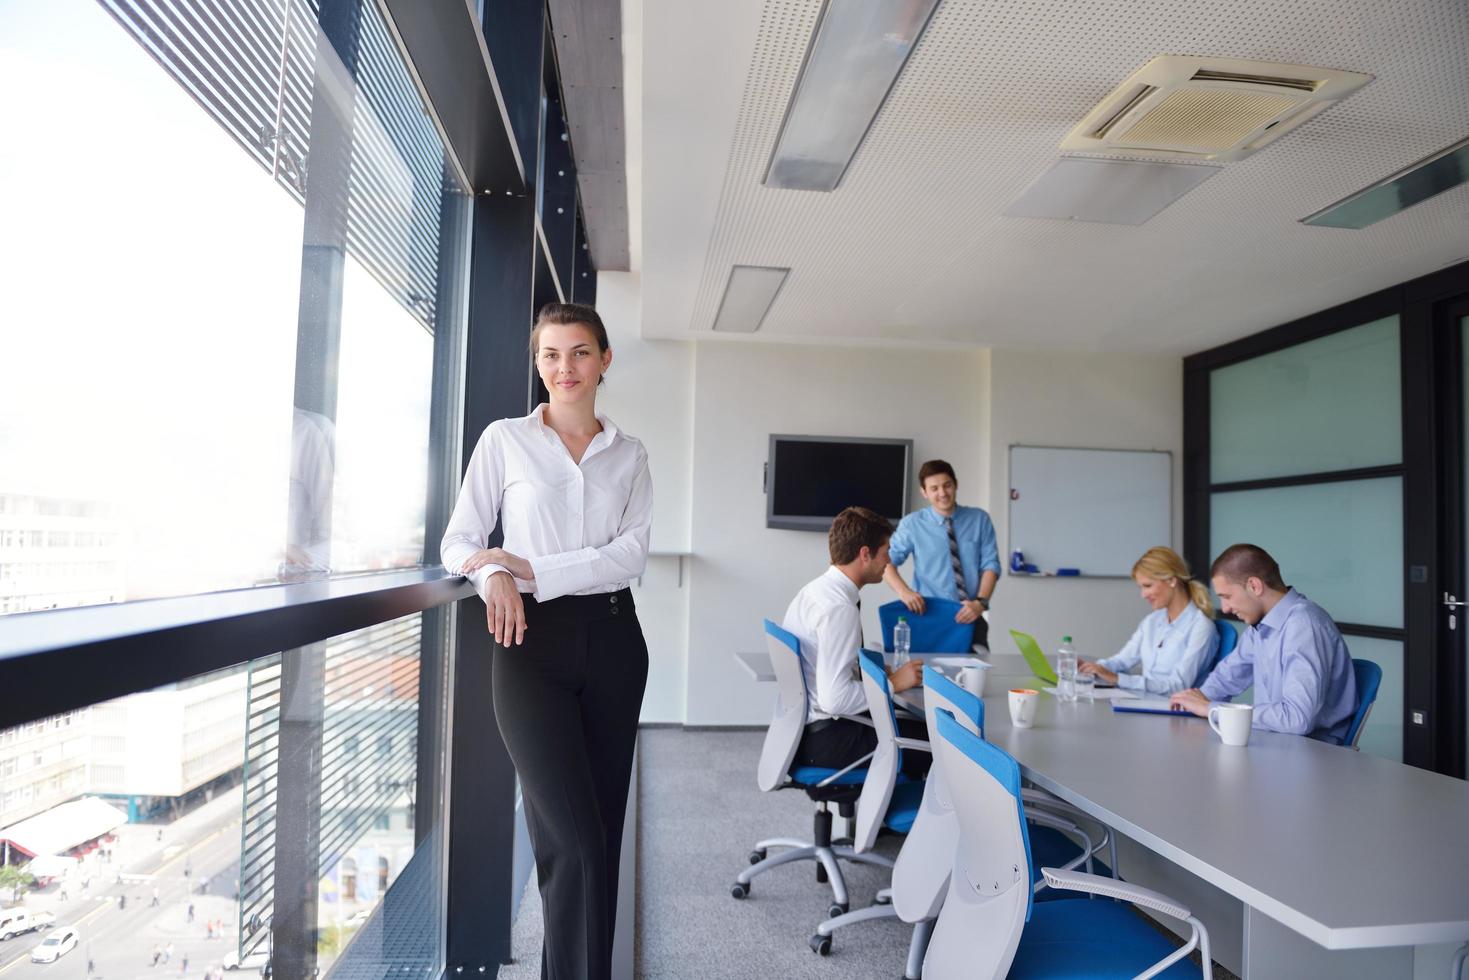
1427 178
747 297
856 53
1119 192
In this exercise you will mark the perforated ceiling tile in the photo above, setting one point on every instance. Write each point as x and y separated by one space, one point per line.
913 244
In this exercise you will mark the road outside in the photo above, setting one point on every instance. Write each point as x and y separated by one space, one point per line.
193 861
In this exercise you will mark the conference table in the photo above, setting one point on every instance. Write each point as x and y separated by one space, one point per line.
1315 859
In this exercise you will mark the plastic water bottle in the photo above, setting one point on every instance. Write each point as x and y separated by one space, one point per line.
1066 670
902 642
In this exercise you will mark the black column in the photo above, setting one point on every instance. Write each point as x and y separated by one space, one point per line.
482 795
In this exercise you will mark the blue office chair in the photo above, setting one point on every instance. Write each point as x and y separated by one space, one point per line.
933 632
920 810
824 786
1228 639
889 801
1369 679
989 926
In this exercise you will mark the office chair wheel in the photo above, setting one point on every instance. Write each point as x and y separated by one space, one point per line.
882 900
821 945
757 856
836 909
739 890
821 872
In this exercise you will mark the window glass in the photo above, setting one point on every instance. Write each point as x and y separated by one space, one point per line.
241 323
1333 403
1339 543
157 816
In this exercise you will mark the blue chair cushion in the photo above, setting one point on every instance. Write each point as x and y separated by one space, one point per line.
903 807
811 775
1092 939
1049 848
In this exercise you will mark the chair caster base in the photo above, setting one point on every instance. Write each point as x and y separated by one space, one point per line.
882 900
820 872
821 945
739 890
757 856
836 909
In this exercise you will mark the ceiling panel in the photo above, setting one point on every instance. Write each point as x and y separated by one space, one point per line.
913 245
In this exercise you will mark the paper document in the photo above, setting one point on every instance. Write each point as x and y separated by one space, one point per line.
1103 694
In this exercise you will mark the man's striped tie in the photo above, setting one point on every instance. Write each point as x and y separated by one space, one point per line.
954 559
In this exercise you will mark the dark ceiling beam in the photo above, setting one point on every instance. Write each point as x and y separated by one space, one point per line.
588 42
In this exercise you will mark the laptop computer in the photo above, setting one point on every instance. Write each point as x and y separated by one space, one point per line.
1031 651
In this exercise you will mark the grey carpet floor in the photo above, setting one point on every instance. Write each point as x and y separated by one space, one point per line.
700 813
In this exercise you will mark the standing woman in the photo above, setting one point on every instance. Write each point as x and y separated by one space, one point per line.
1174 642
574 499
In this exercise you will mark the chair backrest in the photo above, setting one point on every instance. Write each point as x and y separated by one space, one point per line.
921 872
1369 678
1228 637
989 896
789 720
882 770
933 632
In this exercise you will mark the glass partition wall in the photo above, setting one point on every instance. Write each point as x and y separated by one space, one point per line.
1323 442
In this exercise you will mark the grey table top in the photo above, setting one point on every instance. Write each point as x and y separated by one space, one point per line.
1345 848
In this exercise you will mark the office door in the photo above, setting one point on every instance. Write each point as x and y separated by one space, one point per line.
1452 663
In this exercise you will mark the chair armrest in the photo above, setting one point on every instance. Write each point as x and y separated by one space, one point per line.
1112 888
917 744
846 769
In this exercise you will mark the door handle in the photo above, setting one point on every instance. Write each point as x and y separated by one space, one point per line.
1452 601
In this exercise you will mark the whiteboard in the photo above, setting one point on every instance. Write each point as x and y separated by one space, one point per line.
1096 510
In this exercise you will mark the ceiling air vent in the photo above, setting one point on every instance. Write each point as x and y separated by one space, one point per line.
1208 108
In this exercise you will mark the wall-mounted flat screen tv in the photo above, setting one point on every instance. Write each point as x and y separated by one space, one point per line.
811 479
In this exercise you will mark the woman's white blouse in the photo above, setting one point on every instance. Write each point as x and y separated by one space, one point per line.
584 528
1171 654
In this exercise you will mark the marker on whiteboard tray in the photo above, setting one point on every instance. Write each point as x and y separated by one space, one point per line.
1019 565
1068 571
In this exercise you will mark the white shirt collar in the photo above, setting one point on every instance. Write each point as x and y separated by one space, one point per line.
609 430
847 586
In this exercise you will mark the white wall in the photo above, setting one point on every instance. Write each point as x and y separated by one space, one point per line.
649 393
744 572
1087 401
705 412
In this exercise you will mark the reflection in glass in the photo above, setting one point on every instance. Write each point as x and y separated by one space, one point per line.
156 815
1328 404
1339 543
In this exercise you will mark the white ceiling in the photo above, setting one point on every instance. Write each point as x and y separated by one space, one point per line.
913 248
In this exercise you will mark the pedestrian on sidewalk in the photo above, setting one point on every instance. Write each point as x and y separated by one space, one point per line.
191 912
184 965
157 952
154 903
167 953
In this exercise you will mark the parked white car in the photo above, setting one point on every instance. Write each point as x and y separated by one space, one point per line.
55 946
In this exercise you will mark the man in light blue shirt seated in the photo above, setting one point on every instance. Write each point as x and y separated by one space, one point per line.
953 548
1292 652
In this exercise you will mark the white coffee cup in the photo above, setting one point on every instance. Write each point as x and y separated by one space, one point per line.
972 678
1231 722
1023 704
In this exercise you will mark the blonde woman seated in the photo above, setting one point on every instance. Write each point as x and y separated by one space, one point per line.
1175 642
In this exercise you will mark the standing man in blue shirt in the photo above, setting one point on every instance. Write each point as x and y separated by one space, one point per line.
1291 651
953 548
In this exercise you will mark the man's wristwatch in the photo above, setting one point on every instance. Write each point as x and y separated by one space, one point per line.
983 602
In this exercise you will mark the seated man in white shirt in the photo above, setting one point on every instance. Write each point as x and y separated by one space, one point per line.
826 618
